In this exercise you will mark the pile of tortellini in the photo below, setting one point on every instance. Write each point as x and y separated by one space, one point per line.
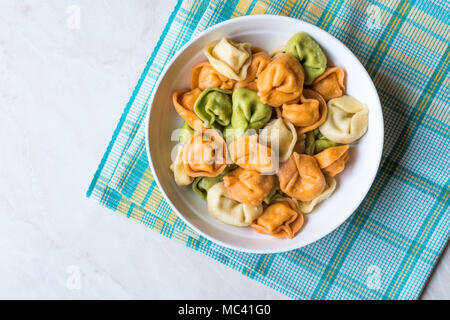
265 134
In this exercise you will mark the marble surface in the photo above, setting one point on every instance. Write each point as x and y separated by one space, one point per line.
64 80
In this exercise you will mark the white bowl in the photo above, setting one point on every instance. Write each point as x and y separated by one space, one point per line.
267 32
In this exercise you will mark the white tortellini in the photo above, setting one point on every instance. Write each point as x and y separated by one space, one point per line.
229 58
287 137
276 52
347 120
181 178
308 206
224 208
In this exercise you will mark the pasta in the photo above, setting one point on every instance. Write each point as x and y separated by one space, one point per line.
224 208
282 219
281 135
249 154
281 81
201 185
277 52
204 76
255 49
184 101
288 123
181 178
316 142
330 84
185 133
248 113
347 120
229 58
308 52
213 106
332 160
309 114
301 178
308 206
300 146
259 62
274 194
248 186
205 155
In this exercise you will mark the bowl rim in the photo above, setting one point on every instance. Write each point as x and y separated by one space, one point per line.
377 104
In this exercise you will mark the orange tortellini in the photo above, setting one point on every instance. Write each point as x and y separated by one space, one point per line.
205 155
184 101
260 61
281 219
249 154
204 76
330 84
307 114
332 160
281 81
301 178
248 186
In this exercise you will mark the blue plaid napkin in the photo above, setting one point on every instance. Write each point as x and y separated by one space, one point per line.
389 246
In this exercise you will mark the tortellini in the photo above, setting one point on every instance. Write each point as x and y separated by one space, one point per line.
204 76
281 135
181 178
330 84
249 154
201 185
248 113
205 155
281 81
281 219
229 58
185 133
255 49
300 146
277 52
214 107
274 194
224 208
332 160
307 50
248 186
184 101
301 178
316 142
309 113
259 62
288 124
308 206
347 120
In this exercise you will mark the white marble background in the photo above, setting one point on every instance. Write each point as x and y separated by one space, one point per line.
62 91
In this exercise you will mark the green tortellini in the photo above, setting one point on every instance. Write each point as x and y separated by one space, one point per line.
186 132
309 53
316 142
201 185
274 194
248 113
214 107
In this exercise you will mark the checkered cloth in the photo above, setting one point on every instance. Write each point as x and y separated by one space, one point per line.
389 246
